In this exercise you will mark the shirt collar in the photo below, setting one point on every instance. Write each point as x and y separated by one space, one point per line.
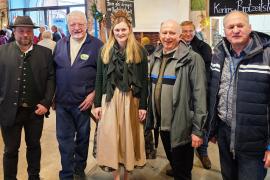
244 51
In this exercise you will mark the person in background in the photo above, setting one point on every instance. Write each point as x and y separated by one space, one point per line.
3 37
56 34
27 88
75 58
203 49
178 97
35 39
239 100
121 99
41 30
47 40
8 31
146 43
12 38
61 32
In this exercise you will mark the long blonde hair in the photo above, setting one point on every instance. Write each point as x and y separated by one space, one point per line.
133 48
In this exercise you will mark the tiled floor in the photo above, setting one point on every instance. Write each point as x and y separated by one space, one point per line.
154 169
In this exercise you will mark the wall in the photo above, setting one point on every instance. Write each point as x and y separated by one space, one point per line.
149 14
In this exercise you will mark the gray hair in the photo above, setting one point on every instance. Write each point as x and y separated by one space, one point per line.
47 35
177 25
235 12
77 13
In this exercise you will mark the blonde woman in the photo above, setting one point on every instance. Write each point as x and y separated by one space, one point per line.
121 99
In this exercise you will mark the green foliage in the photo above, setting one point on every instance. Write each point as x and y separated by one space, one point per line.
96 14
198 5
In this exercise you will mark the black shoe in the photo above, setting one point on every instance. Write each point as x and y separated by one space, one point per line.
169 172
206 163
34 177
79 175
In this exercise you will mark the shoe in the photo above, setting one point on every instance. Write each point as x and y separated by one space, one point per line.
34 177
79 175
169 172
206 163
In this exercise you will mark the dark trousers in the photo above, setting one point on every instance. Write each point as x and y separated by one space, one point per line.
73 131
180 157
243 166
202 150
33 125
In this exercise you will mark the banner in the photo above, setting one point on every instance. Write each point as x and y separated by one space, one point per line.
221 7
112 5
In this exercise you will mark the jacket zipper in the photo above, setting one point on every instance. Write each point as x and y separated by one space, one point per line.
268 128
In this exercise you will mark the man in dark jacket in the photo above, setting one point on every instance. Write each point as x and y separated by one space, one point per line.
56 34
75 57
202 48
27 84
239 100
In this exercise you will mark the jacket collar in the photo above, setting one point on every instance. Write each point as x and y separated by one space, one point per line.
181 52
259 42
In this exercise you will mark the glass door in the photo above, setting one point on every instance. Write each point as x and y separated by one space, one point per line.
58 18
38 18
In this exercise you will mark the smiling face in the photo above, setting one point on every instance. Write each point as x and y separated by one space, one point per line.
24 36
188 33
121 32
77 27
169 35
237 29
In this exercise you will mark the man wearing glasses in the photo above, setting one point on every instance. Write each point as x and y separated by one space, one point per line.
203 49
75 58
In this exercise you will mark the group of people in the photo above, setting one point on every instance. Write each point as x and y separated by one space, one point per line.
189 94
5 36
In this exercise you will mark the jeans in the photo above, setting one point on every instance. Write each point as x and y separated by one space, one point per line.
33 125
243 166
180 157
72 131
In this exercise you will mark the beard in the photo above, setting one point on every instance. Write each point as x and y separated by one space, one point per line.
25 41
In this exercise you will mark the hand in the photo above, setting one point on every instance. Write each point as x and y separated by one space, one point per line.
98 112
266 159
41 109
87 103
142 115
213 140
196 141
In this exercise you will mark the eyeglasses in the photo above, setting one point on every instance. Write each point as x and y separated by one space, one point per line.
187 31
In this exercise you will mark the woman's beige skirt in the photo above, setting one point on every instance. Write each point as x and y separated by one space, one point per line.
120 136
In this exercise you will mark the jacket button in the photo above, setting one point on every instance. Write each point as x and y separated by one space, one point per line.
16 92
18 79
15 104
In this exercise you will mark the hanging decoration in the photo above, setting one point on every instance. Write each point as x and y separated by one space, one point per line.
98 17
96 14
205 21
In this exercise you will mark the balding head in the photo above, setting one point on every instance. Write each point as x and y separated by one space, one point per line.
236 14
172 23
169 35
